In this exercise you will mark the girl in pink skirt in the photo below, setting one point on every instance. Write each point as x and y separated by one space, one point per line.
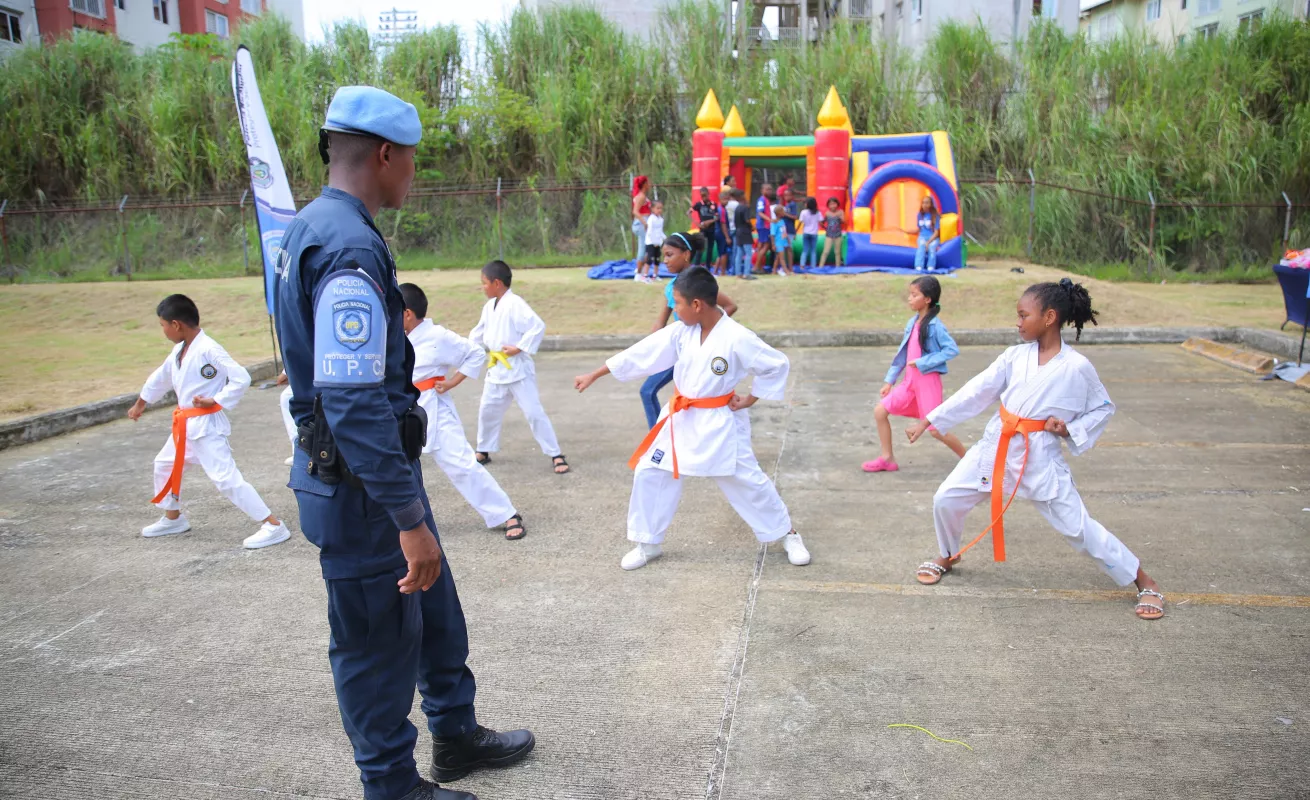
925 349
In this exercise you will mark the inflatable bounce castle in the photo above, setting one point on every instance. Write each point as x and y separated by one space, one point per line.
879 180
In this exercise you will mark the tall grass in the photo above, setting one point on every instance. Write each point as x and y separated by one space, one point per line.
567 95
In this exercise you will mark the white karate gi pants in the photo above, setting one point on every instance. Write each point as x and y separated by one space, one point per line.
455 457
214 455
287 420
495 400
655 497
1065 512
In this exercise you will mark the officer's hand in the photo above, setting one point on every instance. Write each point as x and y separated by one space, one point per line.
423 556
203 402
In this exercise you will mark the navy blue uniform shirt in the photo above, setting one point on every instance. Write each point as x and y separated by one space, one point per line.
339 320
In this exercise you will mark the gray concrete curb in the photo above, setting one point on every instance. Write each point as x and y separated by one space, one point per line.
67 420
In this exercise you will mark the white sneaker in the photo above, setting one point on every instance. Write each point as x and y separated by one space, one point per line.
796 552
267 536
641 555
166 527
291 459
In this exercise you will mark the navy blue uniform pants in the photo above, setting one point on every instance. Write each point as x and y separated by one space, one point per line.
383 644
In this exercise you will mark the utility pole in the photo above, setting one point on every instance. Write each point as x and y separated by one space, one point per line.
395 25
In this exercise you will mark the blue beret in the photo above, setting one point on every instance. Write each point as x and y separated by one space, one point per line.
371 111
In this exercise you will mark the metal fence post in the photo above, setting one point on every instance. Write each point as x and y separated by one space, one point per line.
122 232
1032 210
500 236
245 235
1287 220
1150 241
4 242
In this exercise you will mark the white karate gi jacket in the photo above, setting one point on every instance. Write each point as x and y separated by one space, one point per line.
206 371
440 351
509 322
708 439
1067 387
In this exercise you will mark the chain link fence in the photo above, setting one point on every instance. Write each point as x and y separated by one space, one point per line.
581 223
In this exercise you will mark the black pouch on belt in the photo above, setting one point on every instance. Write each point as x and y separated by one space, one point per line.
414 432
324 460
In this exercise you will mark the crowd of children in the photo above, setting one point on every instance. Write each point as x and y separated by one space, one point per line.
1049 394
742 248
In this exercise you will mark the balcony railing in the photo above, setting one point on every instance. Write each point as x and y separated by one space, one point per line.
94 8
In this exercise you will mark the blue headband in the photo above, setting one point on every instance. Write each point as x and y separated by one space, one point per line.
684 240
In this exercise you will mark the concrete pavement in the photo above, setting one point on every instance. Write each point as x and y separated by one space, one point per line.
186 667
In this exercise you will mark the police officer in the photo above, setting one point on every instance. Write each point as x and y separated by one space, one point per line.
394 615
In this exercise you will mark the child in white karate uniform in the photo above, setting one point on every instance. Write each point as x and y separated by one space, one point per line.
1053 392
510 331
704 430
288 421
206 380
442 360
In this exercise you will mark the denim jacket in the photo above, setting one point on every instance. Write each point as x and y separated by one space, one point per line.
939 349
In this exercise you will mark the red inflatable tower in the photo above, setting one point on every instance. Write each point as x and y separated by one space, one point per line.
707 149
832 154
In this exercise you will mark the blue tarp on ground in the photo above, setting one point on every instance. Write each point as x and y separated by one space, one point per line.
625 269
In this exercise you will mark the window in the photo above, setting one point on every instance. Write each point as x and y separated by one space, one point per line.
216 24
1250 23
1050 9
11 27
916 7
251 6
161 11
1208 32
95 8
1153 10
1205 7
121 5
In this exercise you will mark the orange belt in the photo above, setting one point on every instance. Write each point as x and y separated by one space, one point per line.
180 416
1010 426
428 383
678 403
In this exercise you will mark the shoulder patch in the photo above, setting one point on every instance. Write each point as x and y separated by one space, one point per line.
350 332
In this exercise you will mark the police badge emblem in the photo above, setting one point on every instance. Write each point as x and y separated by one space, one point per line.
352 323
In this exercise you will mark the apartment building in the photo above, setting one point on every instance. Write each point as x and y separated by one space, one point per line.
17 26
149 23
911 23
1171 22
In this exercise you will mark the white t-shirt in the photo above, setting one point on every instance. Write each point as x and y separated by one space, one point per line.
810 221
655 230
731 208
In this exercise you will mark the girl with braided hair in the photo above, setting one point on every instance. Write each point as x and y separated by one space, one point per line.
925 349
1049 393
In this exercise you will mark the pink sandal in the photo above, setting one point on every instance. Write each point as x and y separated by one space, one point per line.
879 464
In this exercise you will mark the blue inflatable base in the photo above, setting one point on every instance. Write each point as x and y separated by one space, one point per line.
625 269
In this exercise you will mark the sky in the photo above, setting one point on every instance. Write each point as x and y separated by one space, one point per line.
464 13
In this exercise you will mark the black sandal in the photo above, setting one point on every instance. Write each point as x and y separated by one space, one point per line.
515 523
559 461
482 458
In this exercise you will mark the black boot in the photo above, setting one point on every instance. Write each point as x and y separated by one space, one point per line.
456 757
431 791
